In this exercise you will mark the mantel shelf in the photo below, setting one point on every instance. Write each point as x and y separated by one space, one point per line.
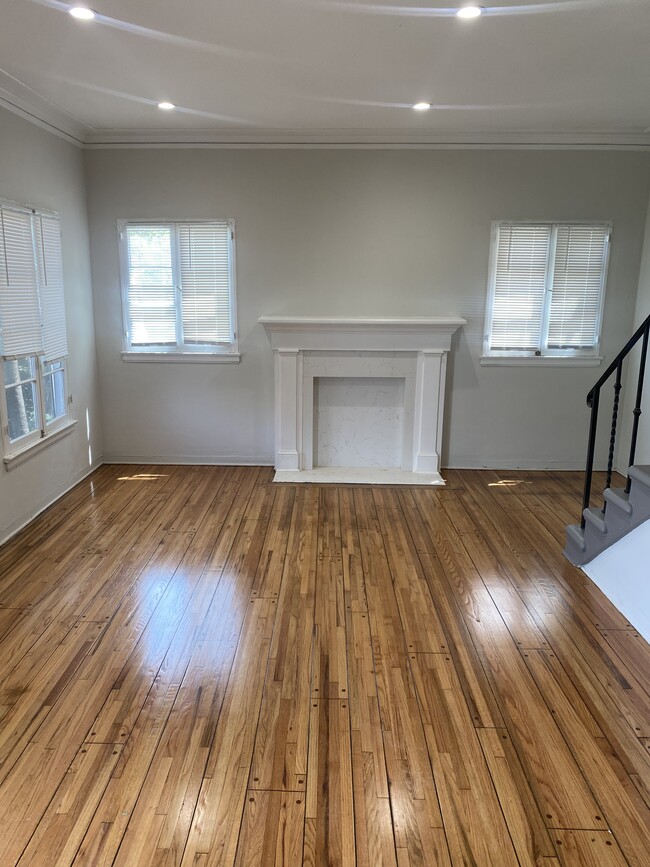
370 334
416 323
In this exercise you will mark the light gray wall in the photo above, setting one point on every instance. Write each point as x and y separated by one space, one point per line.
632 369
358 233
642 313
42 170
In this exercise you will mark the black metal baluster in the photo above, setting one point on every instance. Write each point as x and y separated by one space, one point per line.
593 400
612 435
637 405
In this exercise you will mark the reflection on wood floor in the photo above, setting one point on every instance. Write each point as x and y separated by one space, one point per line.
201 668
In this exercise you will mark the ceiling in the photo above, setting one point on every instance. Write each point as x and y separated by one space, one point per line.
331 71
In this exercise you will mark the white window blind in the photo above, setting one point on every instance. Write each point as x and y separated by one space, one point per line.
547 287
578 271
179 285
151 293
19 308
205 282
520 282
32 307
50 286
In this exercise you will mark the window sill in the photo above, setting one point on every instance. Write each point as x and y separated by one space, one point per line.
541 361
19 457
184 357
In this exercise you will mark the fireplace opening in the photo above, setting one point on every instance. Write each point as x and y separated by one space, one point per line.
358 421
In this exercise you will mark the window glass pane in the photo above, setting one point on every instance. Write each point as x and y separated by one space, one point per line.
520 281
54 392
19 302
205 279
578 279
49 273
151 293
179 284
22 410
548 288
19 370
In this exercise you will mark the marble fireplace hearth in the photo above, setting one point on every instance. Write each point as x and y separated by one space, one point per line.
369 392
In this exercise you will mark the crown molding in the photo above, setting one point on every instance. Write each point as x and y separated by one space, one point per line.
20 99
327 138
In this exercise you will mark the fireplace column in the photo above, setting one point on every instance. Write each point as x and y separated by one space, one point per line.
429 407
288 409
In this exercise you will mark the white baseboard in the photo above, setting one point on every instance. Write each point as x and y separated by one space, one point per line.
196 460
268 460
558 466
45 503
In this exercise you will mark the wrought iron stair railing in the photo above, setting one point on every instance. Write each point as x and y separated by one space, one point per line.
593 401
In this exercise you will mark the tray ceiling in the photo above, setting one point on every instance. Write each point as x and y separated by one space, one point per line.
331 71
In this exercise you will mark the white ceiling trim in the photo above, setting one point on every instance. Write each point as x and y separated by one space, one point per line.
23 101
261 138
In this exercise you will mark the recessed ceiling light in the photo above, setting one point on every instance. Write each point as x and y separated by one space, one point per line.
422 106
470 11
82 13
166 106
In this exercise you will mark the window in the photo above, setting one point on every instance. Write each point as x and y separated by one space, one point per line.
178 289
33 341
546 290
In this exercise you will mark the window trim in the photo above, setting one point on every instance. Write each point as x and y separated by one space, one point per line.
19 456
182 357
28 439
46 431
541 360
179 352
548 357
53 426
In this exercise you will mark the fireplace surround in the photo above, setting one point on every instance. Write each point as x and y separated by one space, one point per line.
308 350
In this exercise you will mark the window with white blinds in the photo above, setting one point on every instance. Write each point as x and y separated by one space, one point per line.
546 292
20 316
178 286
32 305
49 277
33 341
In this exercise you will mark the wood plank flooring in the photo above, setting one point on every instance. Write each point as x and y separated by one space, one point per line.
201 668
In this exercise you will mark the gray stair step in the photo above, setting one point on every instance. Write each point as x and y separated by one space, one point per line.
596 518
575 535
618 498
640 473
624 512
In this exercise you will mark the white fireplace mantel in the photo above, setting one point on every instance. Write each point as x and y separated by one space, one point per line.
413 350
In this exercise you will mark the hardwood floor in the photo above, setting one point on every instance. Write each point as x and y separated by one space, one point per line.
201 668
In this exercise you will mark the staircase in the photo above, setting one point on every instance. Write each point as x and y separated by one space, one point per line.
623 508
602 528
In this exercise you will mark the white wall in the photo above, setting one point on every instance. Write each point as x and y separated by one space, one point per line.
641 314
621 572
358 232
39 169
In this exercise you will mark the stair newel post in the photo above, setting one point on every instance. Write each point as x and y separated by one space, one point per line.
612 435
593 400
637 405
